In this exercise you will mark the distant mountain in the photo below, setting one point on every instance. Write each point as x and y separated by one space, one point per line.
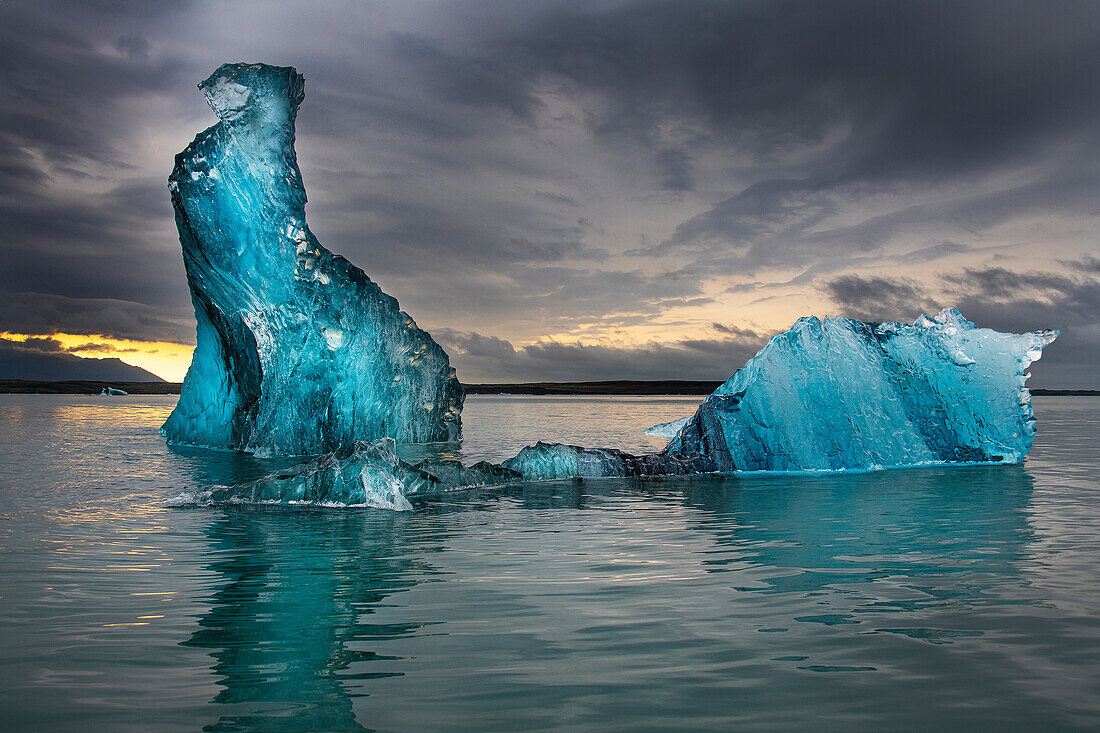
16 363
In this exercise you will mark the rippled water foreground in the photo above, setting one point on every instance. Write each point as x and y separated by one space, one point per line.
930 598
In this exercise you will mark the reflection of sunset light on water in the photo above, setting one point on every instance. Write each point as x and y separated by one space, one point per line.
83 548
108 595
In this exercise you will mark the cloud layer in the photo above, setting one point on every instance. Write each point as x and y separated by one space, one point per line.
593 184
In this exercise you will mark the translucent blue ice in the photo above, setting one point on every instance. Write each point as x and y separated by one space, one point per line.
838 394
370 474
550 461
298 351
827 395
363 474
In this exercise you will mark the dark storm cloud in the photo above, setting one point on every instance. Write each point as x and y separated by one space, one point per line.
998 298
1034 300
41 345
932 253
65 94
135 47
77 224
877 299
732 330
554 297
99 245
1087 264
456 75
470 155
47 314
480 358
790 224
99 347
924 88
413 236
924 93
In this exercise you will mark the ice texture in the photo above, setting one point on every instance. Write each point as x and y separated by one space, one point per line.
548 461
838 394
298 351
363 474
370 474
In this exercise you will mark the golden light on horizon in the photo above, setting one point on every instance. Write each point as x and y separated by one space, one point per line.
166 360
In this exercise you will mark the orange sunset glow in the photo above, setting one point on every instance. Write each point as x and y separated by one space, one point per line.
166 360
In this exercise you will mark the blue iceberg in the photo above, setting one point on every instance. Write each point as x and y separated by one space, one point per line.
838 395
298 351
826 396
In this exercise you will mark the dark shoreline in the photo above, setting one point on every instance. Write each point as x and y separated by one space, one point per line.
75 386
613 387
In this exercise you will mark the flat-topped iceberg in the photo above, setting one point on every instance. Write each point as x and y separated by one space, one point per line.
838 394
298 351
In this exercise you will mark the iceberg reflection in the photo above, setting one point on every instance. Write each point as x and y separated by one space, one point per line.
289 627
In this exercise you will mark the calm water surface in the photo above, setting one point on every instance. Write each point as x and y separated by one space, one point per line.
964 598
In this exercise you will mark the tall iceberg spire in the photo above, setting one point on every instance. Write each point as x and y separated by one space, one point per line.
298 351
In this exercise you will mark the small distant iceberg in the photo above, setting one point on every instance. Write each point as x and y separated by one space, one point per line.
112 391
667 429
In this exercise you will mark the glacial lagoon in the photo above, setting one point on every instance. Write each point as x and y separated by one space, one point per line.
932 598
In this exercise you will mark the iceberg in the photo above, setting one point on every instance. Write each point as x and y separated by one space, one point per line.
666 429
298 352
828 395
837 394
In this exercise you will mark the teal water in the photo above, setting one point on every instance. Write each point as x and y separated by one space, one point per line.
965 598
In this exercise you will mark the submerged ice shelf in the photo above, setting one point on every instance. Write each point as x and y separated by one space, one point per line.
825 396
371 475
363 474
298 351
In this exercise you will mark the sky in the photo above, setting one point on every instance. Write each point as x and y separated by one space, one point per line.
564 191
